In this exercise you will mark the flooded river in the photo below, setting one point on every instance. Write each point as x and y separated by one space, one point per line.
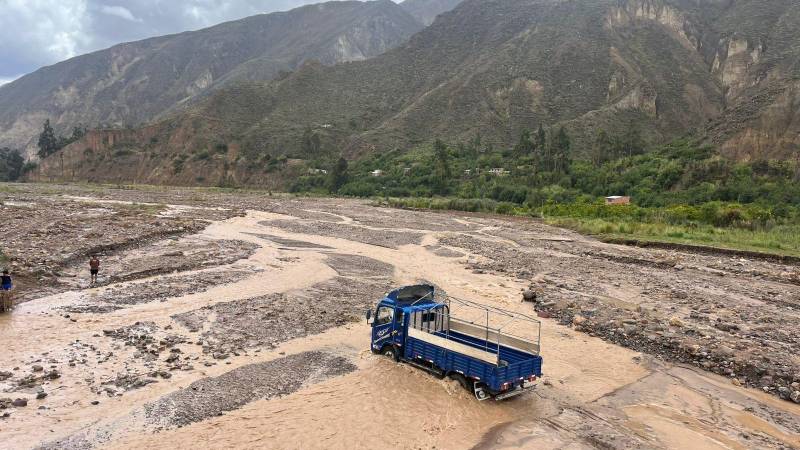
595 394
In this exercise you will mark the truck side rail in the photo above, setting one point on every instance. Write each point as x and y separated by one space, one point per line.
436 326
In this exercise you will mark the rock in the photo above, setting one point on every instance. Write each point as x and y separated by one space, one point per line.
795 397
20 402
724 352
41 395
675 322
95 402
726 326
529 296
543 314
5 375
578 320
630 329
784 392
37 368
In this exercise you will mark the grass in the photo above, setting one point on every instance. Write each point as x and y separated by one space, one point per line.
779 240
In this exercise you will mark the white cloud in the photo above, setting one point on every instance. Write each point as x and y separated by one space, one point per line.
43 30
119 11
34 33
7 80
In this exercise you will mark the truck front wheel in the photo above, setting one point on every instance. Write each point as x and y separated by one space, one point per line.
390 352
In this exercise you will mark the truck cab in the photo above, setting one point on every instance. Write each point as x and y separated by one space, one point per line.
411 325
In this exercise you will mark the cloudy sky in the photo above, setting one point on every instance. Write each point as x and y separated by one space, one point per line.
36 33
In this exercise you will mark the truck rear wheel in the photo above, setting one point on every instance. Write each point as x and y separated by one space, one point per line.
462 380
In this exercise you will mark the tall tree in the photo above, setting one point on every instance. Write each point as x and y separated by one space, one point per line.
338 175
632 142
543 149
11 163
48 142
602 149
441 168
311 142
561 150
525 146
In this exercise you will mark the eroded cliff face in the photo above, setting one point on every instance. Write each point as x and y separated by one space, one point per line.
632 12
756 115
734 65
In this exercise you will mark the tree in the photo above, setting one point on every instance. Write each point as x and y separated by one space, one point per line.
338 176
543 150
311 142
11 163
525 146
441 168
48 142
632 142
561 150
602 149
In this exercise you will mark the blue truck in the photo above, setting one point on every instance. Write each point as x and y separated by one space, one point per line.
476 348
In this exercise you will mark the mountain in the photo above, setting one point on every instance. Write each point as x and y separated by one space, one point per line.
136 82
426 11
726 70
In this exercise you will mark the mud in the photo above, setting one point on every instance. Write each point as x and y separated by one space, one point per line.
643 348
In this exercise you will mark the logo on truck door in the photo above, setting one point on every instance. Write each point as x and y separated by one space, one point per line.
382 333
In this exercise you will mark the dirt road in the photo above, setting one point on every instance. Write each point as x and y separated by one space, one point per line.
247 332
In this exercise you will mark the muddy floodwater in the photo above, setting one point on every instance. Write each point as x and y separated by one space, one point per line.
235 320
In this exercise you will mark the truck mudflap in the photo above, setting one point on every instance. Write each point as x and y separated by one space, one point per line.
521 389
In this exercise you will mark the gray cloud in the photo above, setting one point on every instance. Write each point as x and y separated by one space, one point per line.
34 33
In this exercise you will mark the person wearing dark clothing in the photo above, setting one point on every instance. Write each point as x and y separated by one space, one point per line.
6 285
94 268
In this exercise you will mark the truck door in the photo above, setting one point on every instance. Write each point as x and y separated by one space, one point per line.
382 327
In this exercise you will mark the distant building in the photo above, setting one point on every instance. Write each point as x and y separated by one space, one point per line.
499 171
317 171
618 200
406 170
376 173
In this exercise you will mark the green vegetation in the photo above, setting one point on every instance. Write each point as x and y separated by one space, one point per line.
683 192
11 164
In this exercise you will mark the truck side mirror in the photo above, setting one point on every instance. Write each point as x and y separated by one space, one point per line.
369 316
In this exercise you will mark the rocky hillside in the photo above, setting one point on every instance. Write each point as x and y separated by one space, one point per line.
426 11
726 69
136 82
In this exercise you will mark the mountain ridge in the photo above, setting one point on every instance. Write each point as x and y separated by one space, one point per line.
724 70
133 83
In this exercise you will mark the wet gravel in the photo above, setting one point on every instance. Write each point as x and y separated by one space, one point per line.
726 315
157 290
232 327
380 238
212 397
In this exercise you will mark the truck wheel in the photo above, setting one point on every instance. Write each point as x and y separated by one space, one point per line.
390 352
462 380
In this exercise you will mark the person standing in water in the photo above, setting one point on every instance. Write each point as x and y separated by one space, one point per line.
94 268
6 286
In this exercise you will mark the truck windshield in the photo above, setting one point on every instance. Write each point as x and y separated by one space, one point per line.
384 316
